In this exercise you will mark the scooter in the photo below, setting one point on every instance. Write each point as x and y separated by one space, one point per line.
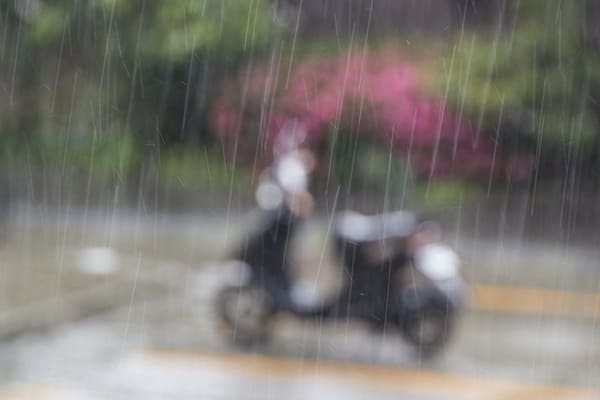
391 284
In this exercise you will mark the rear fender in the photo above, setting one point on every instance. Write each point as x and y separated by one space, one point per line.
238 274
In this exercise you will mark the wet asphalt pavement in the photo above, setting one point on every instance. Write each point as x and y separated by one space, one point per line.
158 337
169 346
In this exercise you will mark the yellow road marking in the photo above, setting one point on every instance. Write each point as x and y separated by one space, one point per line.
529 300
419 381
32 392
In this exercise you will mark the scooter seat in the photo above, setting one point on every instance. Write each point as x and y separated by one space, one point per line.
358 227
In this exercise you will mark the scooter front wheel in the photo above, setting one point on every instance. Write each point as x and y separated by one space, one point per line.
245 313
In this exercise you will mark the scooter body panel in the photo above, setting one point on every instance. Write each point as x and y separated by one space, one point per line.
374 290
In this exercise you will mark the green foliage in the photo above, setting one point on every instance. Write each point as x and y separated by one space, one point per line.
156 31
438 194
203 168
84 67
536 77
46 27
111 154
360 162
383 171
98 81
222 27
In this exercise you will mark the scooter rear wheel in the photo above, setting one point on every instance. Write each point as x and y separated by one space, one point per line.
245 313
428 328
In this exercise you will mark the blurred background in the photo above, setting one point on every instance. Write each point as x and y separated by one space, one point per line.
133 134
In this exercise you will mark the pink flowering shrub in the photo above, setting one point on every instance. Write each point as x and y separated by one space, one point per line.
378 94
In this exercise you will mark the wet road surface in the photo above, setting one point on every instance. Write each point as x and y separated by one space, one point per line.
168 346
532 338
